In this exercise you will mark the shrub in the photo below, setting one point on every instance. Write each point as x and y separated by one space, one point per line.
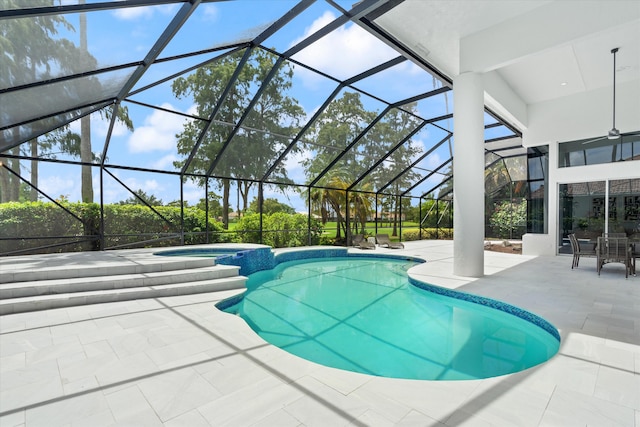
31 225
327 240
136 225
411 235
248 229
429 234
280 230
509 219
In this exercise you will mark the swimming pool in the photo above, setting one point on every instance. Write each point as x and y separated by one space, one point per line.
362 314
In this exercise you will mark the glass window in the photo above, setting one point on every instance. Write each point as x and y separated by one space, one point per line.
582 212
537 165
598 151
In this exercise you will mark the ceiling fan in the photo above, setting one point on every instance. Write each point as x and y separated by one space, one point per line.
613 133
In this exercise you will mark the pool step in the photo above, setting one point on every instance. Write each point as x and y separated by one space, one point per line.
45 302
115 281
69 284
108 266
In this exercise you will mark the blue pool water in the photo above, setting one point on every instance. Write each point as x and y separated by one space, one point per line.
363 315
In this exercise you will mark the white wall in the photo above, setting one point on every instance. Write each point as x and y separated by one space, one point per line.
547 244
581 116
584 115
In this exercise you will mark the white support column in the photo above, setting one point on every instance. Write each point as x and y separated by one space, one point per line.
468 175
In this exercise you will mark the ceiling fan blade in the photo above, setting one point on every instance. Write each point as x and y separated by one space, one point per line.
594 140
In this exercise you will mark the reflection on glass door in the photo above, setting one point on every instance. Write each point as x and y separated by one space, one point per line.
624 207
582 212
582 209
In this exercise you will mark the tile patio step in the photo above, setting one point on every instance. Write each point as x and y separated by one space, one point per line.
111 267
44 302
116 281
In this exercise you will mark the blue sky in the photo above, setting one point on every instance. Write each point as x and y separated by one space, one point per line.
126 35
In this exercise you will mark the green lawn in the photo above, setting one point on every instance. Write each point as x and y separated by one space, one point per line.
330 228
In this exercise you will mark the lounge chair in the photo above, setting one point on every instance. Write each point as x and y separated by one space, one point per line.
585 249
384 241
359 241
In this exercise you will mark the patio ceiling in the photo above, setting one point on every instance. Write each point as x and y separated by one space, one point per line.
538 51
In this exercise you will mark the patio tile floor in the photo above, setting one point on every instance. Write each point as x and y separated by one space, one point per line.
178 361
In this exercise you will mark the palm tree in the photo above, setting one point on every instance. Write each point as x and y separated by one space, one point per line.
361 205
333 198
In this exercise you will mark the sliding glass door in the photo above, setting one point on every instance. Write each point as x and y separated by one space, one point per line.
583 210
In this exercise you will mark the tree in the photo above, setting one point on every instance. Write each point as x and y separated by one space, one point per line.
342 121
386 135
149 198
336 129
215 208
274 113
447 187
330 200
30 50
85 126
397 125
360 207
270 206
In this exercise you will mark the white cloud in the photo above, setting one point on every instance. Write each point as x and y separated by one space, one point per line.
136 13
114 192
112 195
158 132
56 186
101 127
193 110
192 193
132 13
210 12
433 161
344 52
168 9
165 162
149 186
293 165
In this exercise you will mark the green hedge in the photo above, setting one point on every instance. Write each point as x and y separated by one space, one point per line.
428 234
43 224
130 224
280 230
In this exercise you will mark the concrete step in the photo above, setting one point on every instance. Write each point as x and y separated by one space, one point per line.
45 302
114 280
111 266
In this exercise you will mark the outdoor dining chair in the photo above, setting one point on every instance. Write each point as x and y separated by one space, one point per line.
585 249
614 249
